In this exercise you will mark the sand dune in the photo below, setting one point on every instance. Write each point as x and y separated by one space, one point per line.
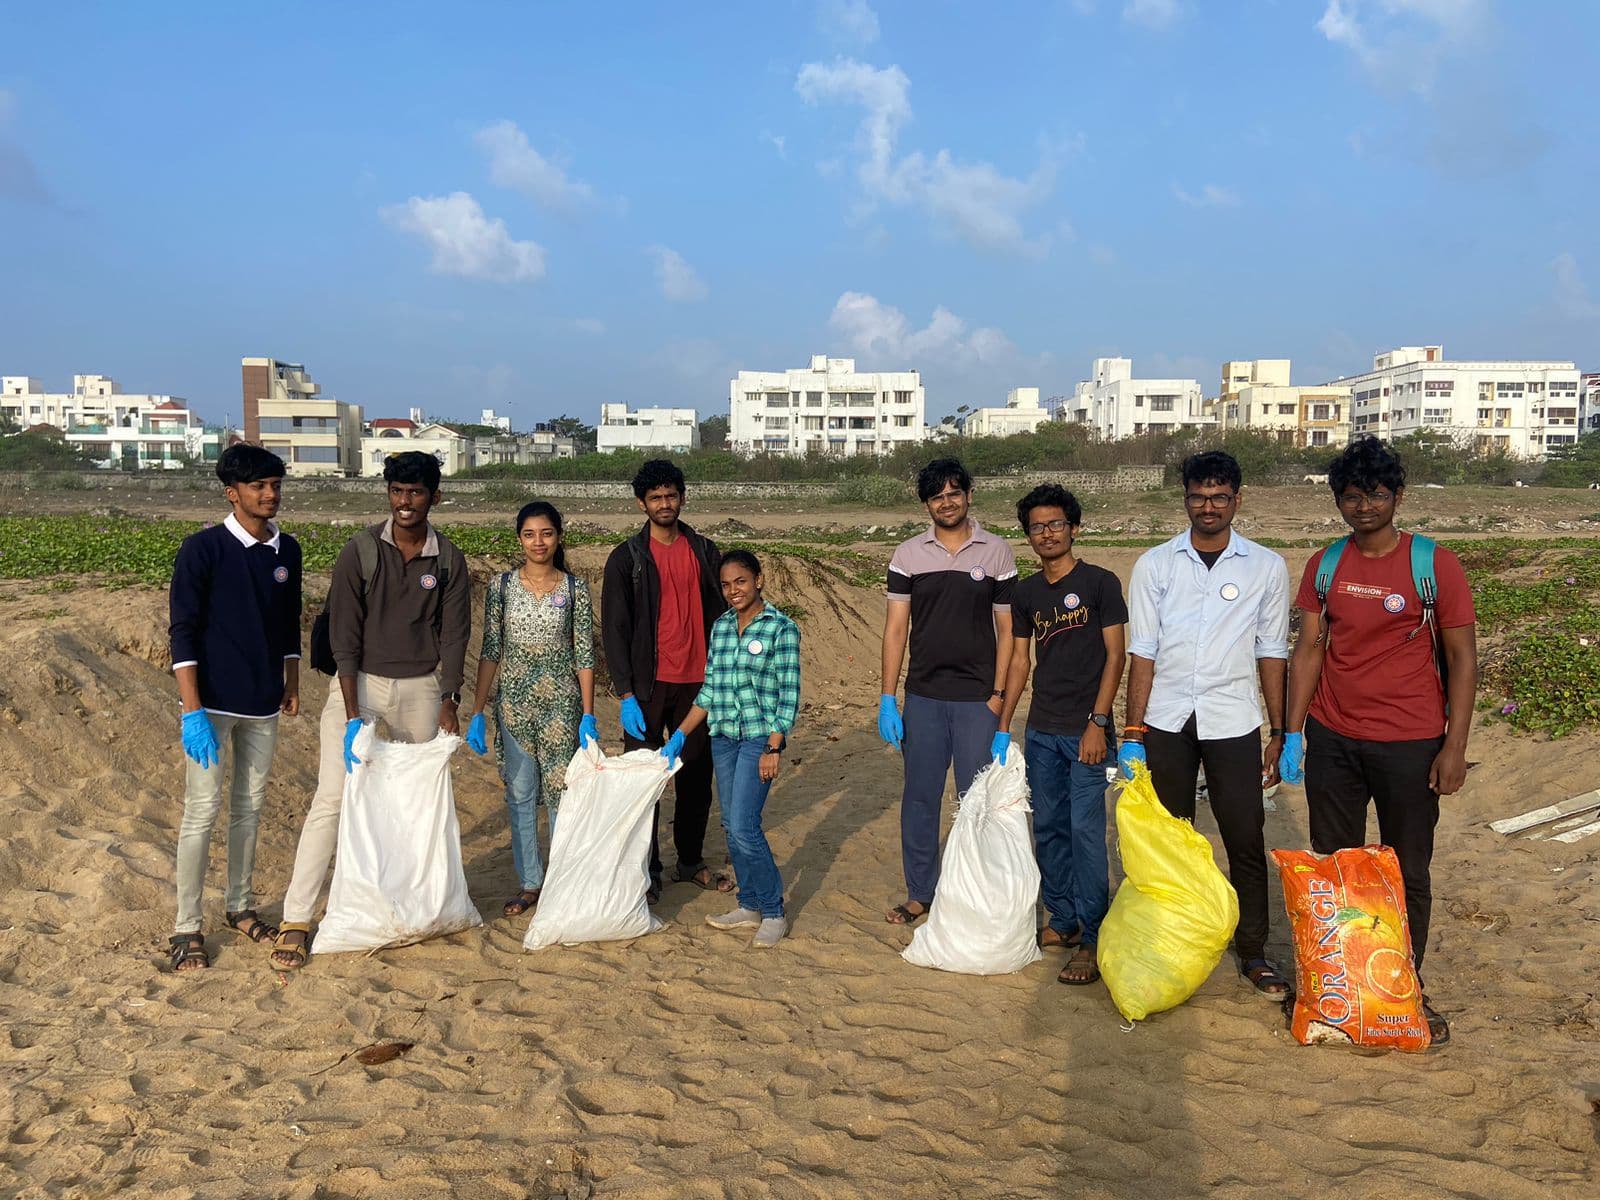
684 1065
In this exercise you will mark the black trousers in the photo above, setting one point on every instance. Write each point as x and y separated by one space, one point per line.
668 705
1233 782
1343 774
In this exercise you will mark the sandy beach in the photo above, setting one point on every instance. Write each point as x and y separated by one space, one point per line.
685 1064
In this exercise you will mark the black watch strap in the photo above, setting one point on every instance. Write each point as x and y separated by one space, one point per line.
1274 733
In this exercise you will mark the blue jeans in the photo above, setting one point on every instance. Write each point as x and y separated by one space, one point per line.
937 732
742 795
1069 832
521 774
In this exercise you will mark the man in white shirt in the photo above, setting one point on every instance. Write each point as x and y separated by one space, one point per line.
1207 611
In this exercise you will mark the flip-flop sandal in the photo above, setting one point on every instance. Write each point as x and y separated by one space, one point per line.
249 924
520 903
1438 1027
1081 957
907 917
186 949
716 882
1068 942
1266 980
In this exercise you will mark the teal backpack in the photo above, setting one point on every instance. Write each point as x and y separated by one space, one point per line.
1422 576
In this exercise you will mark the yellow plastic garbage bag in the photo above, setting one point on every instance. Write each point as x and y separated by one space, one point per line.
1173 915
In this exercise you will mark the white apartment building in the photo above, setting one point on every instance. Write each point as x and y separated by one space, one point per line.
826 408
1022 414
1589 404
622 428
523 449
1256 394
1117 405
114 428
396 435
1519 407
285 411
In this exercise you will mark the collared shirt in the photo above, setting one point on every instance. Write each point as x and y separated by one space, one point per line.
1205 629
954 596
752 685
231 524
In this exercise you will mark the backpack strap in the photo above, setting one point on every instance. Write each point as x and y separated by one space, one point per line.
1325 571
366 558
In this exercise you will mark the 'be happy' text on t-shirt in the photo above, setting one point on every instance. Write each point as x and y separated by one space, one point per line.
1065 621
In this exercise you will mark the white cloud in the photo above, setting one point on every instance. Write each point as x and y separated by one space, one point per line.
677 278
973 201
883 333
1210 196
850 21
464 241
1403 39
1152 14
1572 294
515 164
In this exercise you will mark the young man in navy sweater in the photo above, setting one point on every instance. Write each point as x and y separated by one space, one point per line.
235 631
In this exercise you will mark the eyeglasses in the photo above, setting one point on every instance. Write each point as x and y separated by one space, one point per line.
1222 500
1039 527
1362 499
957 494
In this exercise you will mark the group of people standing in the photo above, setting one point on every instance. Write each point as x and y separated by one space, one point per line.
1374 708
708 673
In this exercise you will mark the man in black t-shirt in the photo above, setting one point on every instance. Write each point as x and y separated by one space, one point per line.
1072 616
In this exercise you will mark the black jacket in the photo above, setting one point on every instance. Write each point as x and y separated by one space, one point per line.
630 606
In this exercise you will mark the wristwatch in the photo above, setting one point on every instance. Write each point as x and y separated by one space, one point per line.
453 697
1274 733
783 744
1101 719
1000 692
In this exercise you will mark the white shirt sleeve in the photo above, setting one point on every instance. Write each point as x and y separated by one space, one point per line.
1144 618
1272 620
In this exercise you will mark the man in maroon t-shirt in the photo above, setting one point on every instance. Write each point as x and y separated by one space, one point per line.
1368 717
657 602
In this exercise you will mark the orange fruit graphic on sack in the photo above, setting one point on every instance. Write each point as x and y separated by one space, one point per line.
1353 967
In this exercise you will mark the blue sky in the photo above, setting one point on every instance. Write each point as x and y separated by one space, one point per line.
543 207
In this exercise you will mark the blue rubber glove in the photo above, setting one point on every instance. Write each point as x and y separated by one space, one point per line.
672 749
200 740
352 727
478 734
1130 753
588 730
998 747
890 727
1292 761
632 718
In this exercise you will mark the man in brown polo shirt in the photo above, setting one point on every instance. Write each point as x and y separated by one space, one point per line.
399 612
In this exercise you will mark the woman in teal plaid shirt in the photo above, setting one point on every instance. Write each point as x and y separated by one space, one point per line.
751 697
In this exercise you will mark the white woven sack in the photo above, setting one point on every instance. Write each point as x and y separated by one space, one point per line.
982 919
398 876
594 888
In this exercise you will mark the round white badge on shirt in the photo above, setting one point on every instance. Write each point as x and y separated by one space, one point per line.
281 574
756 647
559 599
428 583
1395 602
1072 600
976 573
1230 591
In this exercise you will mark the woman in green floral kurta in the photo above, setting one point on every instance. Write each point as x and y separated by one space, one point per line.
538 637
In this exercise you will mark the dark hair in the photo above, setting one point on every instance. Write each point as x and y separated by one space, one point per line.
932 478
543 508
1049 495
1367 463
244 463
658 472
743 558
414 466
1212 466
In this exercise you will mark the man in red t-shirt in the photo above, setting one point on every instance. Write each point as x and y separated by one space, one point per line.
1368 717
658 600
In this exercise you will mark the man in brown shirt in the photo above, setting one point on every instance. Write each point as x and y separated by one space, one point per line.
399 612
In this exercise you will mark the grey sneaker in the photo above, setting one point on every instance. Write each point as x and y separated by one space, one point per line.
739 918
770 933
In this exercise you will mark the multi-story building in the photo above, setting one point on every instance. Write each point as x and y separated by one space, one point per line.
522 449
1257 395
285 411
1517 407
1022 414
826 408
396 435
114 428
1117 405
622 428
1589 404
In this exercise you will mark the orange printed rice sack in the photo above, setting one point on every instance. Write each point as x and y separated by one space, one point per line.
1354 980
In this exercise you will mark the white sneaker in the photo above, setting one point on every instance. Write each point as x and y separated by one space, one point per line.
770 933
739 918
